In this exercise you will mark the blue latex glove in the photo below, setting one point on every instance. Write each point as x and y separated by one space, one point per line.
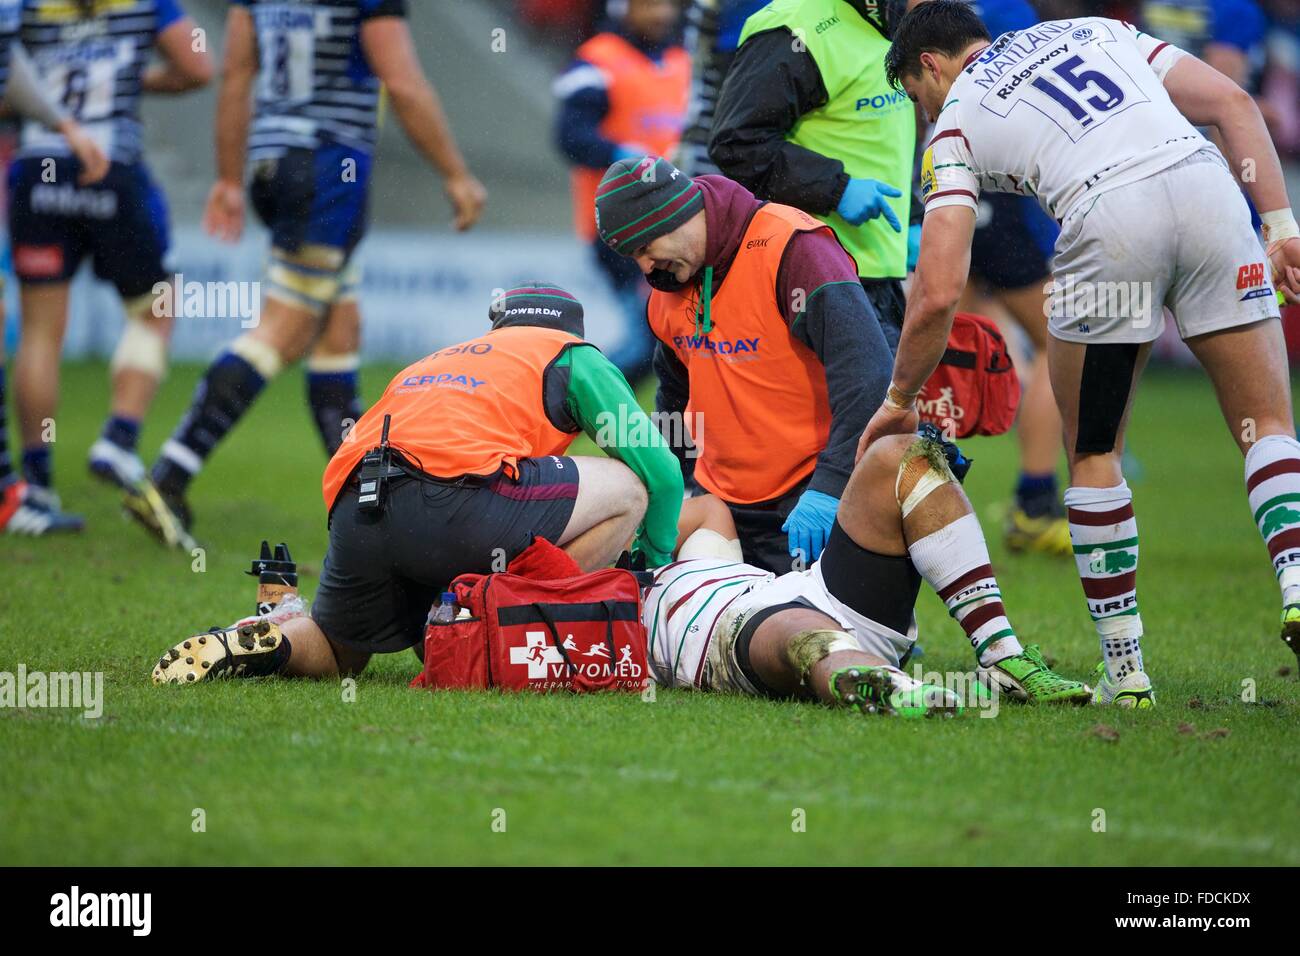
809 525
913 246
864 199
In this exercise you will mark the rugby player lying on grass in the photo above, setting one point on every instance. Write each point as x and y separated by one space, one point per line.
835 632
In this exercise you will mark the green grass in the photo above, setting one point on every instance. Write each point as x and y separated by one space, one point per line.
288 772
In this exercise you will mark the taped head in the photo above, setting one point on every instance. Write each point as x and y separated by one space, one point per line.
540 304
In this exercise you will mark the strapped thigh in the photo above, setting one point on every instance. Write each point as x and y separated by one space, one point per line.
1104 388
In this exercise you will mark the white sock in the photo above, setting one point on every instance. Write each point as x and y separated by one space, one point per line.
1273 488
1105 538
955 562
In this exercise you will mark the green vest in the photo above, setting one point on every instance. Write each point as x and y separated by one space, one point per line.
866 124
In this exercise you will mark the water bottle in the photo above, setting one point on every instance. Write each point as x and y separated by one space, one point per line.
445 612
277 577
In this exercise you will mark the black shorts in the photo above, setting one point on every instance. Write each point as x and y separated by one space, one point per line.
1013 242
121 223
383 572
762 542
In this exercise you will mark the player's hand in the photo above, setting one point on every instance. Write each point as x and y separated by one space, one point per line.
223 216
467 197
94 164
887 421
1284 257
864 199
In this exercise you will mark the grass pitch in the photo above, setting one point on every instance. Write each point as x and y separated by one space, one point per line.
292 773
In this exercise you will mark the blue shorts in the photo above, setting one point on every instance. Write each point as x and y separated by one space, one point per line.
314 197
1013 242
121 222
315 204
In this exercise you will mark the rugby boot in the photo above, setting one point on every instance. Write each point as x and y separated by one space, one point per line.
1026 677
1045 534
1291 629
891 693
1133 691
115 465
252 649
40 512
166 517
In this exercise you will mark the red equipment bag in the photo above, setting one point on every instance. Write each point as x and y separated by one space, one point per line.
975 389
580 633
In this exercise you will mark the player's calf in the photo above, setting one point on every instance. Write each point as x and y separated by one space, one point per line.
1103 529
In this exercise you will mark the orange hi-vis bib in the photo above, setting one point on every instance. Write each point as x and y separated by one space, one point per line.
467 409
647 108
757 393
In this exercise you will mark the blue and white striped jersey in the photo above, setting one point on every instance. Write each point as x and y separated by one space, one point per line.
314 85
92 57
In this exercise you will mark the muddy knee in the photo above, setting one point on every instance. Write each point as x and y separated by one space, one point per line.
922 469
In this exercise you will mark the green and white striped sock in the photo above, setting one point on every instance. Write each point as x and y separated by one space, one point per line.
1104 532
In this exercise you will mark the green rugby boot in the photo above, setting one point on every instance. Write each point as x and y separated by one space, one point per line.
891 693
1134 691
1026 677
1291 629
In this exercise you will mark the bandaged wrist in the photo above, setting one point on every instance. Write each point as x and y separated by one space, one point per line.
898 399
1279 226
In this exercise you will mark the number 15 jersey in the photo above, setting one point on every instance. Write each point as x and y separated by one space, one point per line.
1062 111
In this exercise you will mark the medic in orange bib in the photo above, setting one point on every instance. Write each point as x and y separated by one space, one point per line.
766 339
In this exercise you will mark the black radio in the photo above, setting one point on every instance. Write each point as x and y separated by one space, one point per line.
376 468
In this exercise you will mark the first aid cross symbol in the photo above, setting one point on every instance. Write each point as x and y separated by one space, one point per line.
537 654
